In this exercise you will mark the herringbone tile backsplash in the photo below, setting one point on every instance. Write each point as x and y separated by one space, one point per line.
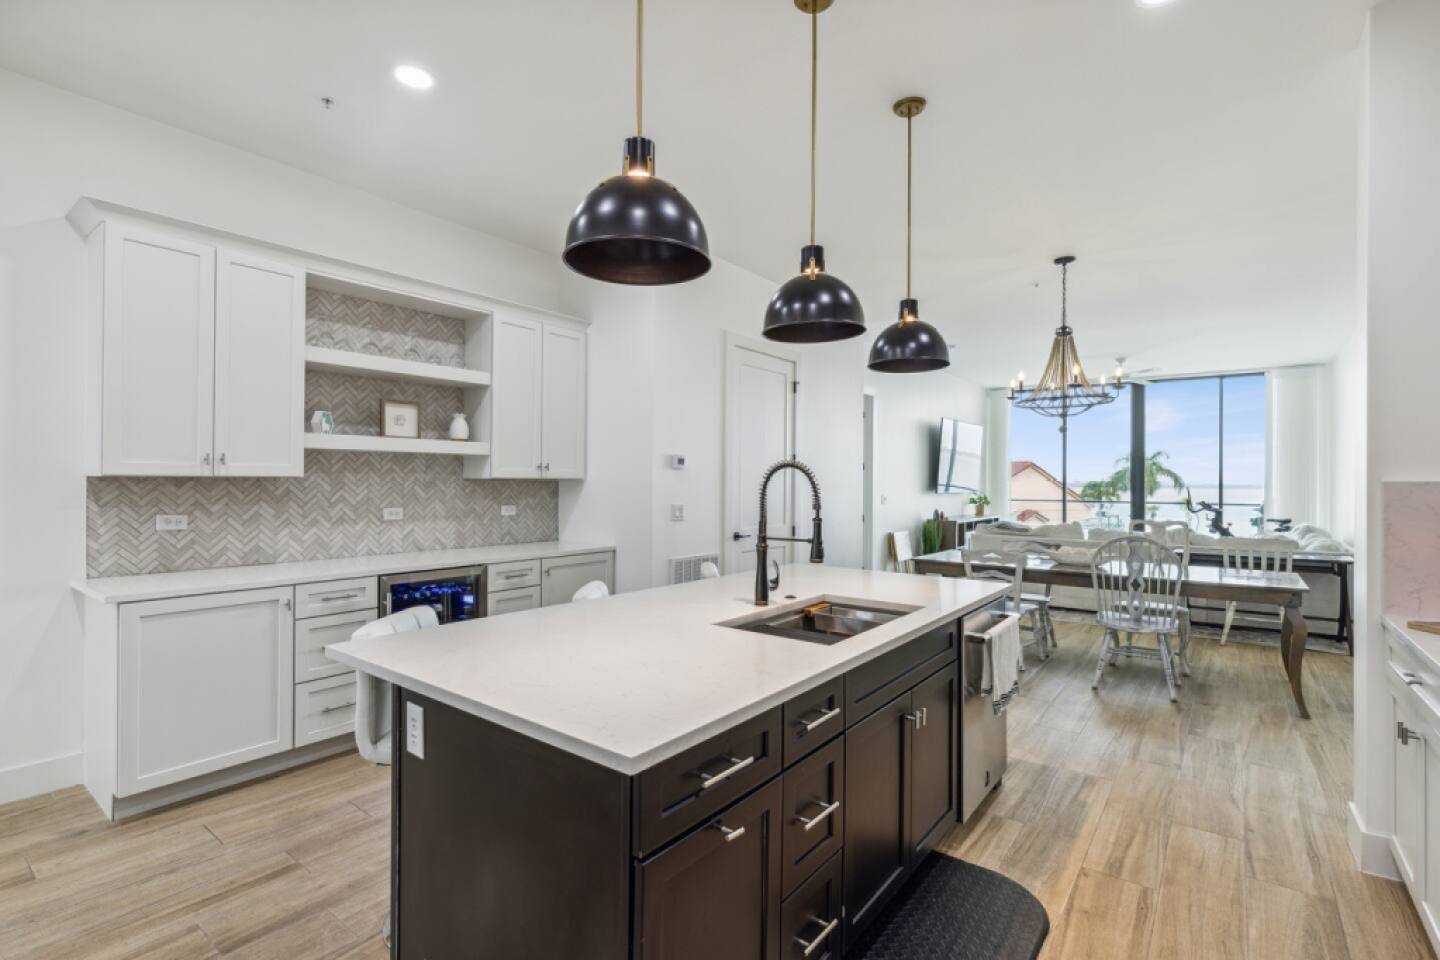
332 511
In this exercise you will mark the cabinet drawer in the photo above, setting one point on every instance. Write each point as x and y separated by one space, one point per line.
876 683
810 917
812 718
814 816
335 596
507 576
680 792
509 601
324 709
314 634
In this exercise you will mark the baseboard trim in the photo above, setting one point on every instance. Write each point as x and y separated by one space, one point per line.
1370 850
33 779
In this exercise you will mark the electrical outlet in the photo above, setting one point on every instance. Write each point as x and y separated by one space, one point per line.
677 511
415 729
172 521
507 509
392 513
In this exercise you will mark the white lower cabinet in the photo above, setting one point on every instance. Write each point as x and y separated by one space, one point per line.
1410 784
1414 687
204 683
324 709
509 601
1430 898
560 577
312 636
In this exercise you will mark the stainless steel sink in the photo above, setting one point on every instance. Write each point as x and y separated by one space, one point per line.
823 622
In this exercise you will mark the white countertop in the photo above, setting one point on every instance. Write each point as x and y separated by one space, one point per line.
190 582
633 679
1427 645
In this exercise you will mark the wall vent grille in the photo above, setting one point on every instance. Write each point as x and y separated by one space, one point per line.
685 569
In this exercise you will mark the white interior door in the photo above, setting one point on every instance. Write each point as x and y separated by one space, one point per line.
515 393
562 426
159 354
759 430
259 367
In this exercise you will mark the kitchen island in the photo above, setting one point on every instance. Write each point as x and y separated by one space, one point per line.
644 777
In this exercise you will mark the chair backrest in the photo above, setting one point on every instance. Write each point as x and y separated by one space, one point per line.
594 590
1016 578
900 550
411 618
1175 533
708 570
1137 581
372 696
1267 556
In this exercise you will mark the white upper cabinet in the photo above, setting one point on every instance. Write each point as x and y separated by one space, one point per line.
534 409
157 320
196 355
259 367
562 402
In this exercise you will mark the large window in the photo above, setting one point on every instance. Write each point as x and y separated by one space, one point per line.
1201 439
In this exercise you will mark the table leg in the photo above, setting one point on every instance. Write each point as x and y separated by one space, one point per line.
1293 634
1347 622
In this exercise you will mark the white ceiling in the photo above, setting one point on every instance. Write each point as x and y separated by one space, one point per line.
1199 158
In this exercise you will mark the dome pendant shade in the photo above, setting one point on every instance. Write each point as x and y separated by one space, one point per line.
636 228
909 345
813 307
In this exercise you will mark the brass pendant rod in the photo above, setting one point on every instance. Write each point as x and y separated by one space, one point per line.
639 68
814 84
909 176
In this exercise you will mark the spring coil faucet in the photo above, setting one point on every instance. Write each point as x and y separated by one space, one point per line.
763 583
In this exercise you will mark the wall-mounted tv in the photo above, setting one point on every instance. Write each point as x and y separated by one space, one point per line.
958 464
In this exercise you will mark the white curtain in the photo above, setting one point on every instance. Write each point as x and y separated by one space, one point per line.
995 465
1298 441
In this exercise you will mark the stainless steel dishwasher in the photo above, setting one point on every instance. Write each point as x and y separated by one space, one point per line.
982 732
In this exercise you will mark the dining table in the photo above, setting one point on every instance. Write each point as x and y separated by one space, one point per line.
1271 587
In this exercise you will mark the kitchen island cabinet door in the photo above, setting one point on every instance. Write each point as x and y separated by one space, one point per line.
877 811
932 760
715 894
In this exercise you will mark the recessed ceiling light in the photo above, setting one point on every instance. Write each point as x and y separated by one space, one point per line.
1153 3
416 78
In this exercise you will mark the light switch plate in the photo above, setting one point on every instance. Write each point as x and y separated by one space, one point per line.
172 521
507 509
677 511
415 729
392 513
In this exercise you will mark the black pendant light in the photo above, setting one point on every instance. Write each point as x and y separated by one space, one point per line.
909 345
814 307
637 228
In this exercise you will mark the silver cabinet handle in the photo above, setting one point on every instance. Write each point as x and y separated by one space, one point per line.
810 823
1404 734
707 781
1411 680
826 717
205 459
288 605
913 718
924 716
222 459
338 706
730 835
517 573
737 535
812 945
332 597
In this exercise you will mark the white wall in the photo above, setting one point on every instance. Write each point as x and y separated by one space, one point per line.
908 408
1347 431
1400 235
58 147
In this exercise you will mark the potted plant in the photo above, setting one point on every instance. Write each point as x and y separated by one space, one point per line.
980 501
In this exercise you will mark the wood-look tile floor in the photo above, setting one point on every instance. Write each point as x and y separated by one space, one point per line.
1212 829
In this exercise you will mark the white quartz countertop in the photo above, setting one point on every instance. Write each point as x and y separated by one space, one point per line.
1427 645
633 679
191 582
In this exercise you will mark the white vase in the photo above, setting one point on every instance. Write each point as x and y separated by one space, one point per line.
459 427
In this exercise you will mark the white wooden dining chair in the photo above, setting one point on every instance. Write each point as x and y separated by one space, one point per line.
1137 591
1175 534
901 552
1260 556
1033 610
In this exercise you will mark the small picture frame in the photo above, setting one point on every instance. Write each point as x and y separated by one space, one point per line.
399 418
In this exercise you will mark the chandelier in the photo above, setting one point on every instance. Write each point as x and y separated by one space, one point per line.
1064 390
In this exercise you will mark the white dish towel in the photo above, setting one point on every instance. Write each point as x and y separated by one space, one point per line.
1002 666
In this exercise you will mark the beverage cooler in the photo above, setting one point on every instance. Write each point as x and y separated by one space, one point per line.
454 594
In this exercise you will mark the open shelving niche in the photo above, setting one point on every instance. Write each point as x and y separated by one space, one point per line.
473 379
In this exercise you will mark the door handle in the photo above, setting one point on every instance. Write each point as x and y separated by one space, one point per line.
737 535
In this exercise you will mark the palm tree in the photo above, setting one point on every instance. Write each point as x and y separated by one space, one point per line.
1117 484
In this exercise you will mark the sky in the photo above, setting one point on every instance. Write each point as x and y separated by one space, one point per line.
1182 419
